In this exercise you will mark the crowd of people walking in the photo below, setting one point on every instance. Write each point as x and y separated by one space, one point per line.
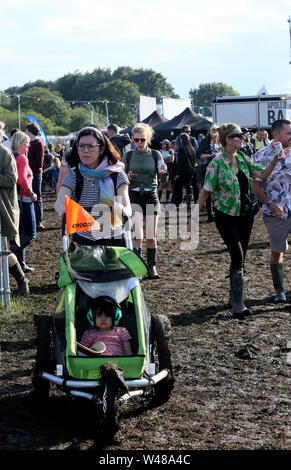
229 170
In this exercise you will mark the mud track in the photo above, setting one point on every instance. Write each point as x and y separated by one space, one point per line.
232 389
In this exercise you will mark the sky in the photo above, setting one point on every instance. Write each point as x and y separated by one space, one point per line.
244 44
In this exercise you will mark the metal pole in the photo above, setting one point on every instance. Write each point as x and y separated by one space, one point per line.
107 116
1 269
289 21
19 116
5 271
92 115
1 280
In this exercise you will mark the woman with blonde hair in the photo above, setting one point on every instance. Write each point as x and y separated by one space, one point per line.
228 178
26 197
142 166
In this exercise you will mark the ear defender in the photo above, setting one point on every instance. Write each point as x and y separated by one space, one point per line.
118 316
90 317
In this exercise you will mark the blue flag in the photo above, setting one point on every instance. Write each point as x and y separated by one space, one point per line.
33 119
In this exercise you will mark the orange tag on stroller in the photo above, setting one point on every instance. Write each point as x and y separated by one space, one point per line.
77 219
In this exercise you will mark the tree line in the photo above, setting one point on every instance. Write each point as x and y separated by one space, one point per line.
76 99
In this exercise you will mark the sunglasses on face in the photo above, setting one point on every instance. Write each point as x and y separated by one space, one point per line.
236 136
139 140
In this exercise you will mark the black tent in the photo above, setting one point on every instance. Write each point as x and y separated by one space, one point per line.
170 129
153 120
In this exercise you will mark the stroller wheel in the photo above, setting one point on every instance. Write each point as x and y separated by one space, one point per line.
161 356
43 357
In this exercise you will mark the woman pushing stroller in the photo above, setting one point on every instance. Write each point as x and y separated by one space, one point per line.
96 180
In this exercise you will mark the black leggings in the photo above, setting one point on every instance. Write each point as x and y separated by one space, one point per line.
235 232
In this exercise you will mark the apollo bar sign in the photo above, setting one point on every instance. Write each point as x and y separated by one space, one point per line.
251 111
270 111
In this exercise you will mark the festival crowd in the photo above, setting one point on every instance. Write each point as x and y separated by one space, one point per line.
230 171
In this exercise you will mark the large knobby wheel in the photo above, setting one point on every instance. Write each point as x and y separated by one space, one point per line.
43 362
161 355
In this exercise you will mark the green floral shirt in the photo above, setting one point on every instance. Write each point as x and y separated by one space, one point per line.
222 182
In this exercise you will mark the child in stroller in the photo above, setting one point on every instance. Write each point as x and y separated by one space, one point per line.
106 338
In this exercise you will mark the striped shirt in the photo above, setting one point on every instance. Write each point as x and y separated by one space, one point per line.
113 339
90 200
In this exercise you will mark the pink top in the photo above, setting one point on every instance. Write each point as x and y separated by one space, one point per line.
24 174
113 339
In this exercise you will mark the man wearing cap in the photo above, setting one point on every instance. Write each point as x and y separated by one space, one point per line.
275 195
248 147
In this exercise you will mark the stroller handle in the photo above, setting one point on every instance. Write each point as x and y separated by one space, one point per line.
127 226
64 233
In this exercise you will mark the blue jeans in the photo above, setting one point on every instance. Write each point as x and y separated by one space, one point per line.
36 188
27 230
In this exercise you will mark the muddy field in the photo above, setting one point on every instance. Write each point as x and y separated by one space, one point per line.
232 389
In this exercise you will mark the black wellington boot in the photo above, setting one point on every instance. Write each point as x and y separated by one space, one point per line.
22 281
236 294
151 262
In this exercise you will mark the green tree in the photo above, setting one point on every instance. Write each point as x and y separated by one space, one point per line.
207 92
21 89
5 100
11 119
66 85
81 87
85 86
48 103
79 117
122 96
149 82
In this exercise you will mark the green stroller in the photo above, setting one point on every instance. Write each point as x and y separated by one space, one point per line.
87 272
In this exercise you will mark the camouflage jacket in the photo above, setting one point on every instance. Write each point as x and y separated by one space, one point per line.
222 182
278 185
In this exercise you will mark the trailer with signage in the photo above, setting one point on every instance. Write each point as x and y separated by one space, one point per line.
251 111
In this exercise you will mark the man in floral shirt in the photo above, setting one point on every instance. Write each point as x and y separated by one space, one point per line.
275 195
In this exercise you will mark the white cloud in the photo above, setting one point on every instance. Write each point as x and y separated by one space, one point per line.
80 22
203 37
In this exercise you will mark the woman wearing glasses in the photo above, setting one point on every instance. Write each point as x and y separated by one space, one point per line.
228 178
142 166
97 181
